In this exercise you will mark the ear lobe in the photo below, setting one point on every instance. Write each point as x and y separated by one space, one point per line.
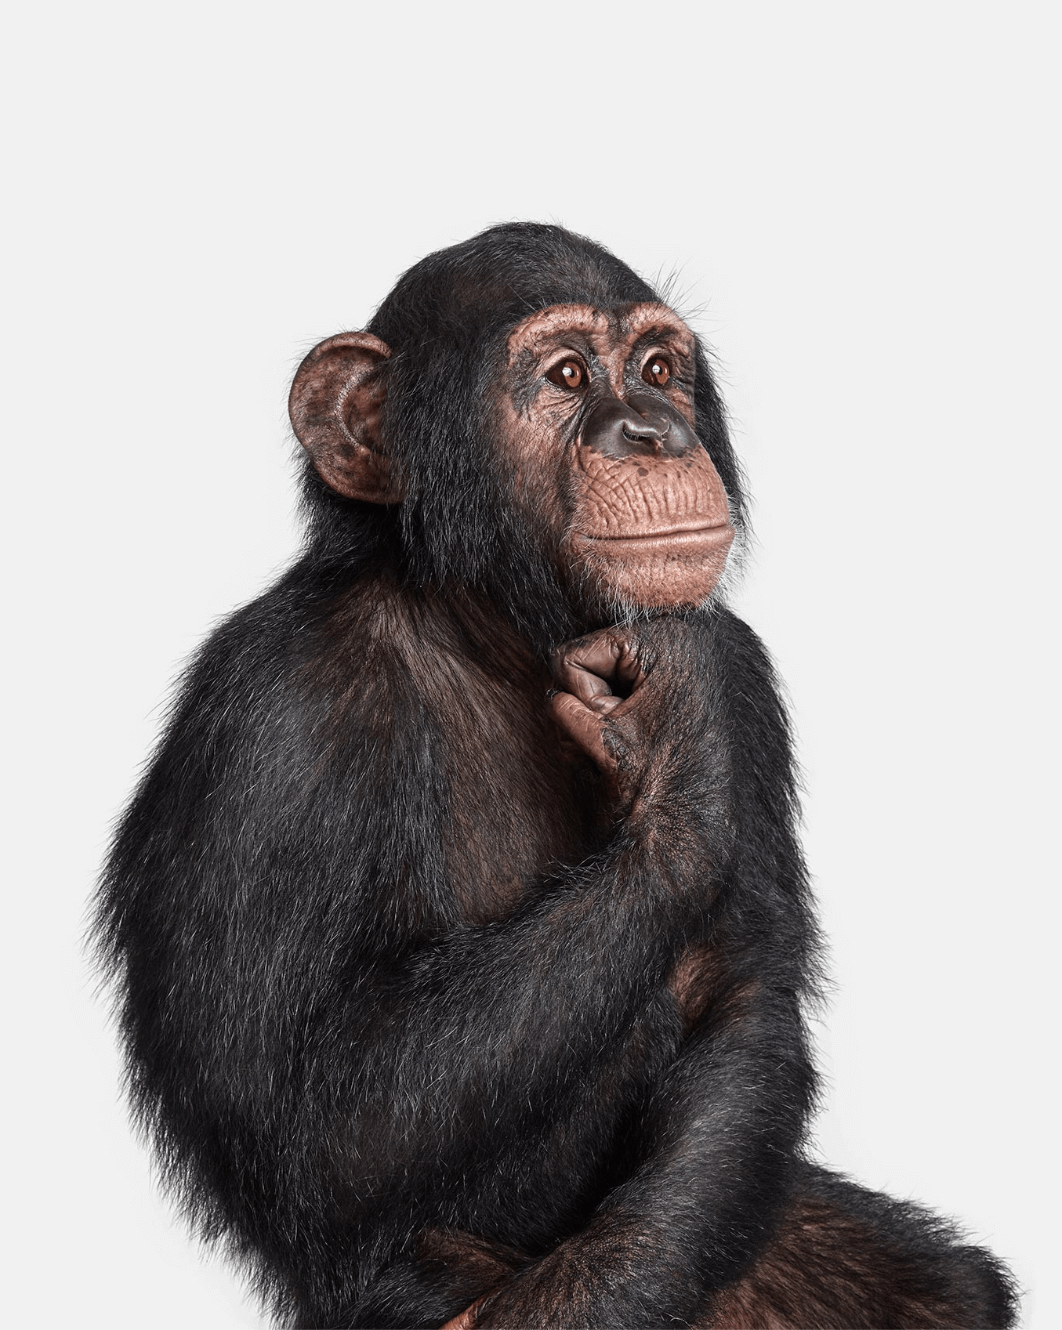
335 412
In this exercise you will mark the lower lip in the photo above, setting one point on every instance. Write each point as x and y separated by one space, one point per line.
705 538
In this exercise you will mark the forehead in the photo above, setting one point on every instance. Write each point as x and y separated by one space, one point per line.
623 325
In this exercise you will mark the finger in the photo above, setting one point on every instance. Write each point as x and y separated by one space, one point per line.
585 668
596 653
576 678
629 670
585 685
581 725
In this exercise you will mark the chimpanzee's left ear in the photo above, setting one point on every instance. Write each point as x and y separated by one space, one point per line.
335 411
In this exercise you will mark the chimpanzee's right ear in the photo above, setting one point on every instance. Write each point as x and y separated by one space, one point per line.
335 411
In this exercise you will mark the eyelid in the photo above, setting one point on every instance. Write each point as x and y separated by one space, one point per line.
553 359
677 357
554 363
646 358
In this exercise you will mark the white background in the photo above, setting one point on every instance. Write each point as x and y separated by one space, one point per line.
861 203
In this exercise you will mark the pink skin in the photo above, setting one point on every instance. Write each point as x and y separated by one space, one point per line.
651 528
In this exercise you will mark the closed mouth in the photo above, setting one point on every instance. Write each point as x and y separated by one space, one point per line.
714 534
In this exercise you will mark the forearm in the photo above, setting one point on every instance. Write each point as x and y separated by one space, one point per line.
480 1026
726 1121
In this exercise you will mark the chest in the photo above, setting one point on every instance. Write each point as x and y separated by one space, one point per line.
520 802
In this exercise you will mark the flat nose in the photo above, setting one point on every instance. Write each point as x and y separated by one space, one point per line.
641 424
640 429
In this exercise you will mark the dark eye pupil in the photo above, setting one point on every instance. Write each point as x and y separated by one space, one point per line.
658 372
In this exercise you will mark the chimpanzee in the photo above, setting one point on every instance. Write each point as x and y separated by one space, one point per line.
461 930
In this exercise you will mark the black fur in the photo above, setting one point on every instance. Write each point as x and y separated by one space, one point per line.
395 997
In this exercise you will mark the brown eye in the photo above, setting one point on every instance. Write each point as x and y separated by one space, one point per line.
569 373
657 371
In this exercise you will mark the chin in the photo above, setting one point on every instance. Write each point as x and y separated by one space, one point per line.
669 584
607 598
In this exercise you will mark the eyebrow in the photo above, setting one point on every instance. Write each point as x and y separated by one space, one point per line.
645 320
634 324
547 324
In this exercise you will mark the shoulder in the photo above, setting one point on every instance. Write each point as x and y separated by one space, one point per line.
313 630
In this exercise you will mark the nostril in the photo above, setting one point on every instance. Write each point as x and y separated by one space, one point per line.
642 431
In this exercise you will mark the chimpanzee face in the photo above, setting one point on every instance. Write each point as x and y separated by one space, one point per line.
597 420
594 420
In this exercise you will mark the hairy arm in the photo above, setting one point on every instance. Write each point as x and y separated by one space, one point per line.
727 1115
331 1059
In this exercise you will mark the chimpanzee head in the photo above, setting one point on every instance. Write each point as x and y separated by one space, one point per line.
543 428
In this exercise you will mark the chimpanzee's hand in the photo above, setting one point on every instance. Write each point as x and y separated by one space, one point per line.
595 677
638 701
